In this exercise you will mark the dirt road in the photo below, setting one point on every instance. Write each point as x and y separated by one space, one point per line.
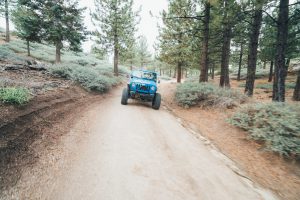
134 152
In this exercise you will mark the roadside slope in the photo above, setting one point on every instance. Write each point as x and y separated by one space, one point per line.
24 126
278 174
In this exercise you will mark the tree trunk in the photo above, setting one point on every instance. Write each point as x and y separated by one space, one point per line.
131 65
170 72
28 48
213 71
116 60
7 37
175 71
224 79
296 95
253 45
271 71
281 46
264 65
116 55
179 72
240 63
58 52
204 52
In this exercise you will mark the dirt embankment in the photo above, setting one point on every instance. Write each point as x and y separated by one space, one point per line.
21 126
269 170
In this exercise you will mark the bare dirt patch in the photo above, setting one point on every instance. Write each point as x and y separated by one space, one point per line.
269 170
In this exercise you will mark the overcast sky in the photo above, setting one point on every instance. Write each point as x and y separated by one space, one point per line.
147 26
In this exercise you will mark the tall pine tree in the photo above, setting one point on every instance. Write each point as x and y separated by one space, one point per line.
116 23
63 24
28 22
253 45
175 35
143 54
6 6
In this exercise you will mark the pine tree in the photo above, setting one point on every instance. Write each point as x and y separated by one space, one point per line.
28 23
63 22
268 44
253 45
205 42
129 56
240 40
175 39
116 23
143 54
229 10
6 6
281 48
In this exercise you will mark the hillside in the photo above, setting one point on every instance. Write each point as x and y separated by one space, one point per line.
36 94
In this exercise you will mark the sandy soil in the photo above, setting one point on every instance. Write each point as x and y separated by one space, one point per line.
131 152
271 171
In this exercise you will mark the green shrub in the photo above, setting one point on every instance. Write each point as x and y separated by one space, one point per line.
205 94
269 86
260 73
7 54
277 124
14 95
92 78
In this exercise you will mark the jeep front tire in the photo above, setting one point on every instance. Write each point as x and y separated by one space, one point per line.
156 101
124 99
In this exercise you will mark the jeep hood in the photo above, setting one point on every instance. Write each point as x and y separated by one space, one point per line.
143 81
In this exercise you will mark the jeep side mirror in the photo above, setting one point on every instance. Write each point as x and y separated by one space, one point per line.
158 81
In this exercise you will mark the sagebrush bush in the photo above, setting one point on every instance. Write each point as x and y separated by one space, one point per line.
269 86
7 54
14 95
91 78
277 124
206 94
260 73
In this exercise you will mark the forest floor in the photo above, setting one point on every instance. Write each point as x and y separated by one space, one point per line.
271 171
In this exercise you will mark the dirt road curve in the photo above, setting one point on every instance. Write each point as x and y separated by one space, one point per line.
133 152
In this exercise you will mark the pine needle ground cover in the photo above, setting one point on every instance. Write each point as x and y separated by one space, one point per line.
205 94
277 124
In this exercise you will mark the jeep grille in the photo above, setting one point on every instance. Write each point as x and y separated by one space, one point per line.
143 87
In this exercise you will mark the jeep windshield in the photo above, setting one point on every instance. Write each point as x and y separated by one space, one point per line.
144 75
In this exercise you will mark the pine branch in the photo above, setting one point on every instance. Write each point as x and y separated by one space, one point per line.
272 18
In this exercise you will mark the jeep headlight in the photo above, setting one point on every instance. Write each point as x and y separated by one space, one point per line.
133 85
153 88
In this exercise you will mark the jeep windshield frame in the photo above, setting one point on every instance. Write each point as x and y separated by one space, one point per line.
152 76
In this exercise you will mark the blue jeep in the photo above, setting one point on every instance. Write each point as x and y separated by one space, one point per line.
142 86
